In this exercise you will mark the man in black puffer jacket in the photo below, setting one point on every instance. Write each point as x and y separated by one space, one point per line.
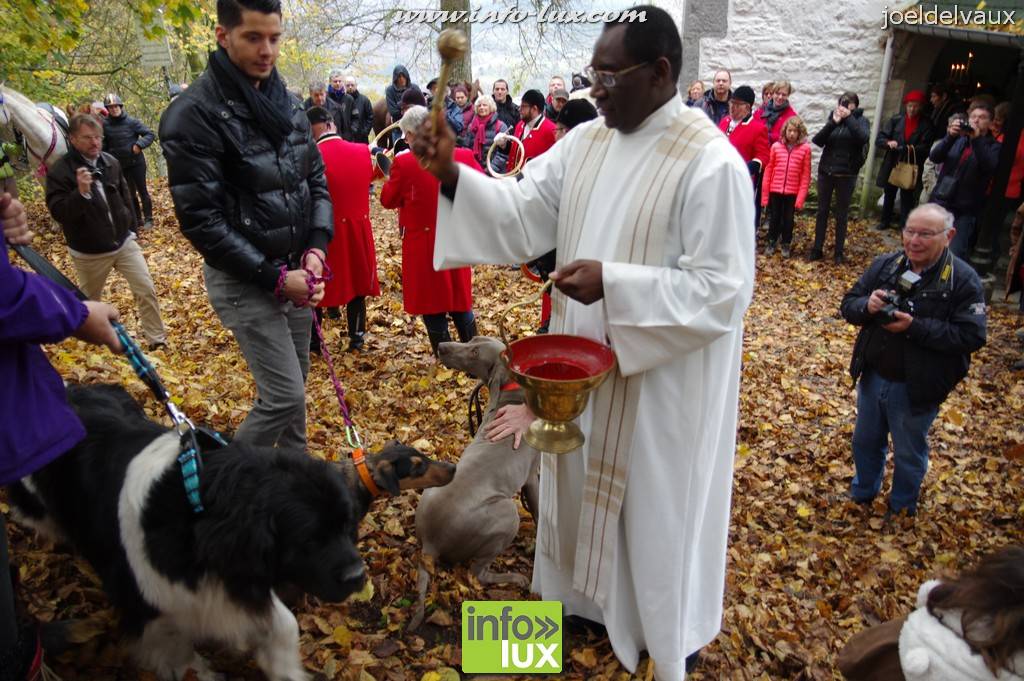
124 138
249 190
843 141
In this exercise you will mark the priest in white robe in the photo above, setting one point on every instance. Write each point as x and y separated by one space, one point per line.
650 209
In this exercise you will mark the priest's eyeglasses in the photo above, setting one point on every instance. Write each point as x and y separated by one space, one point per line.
608 78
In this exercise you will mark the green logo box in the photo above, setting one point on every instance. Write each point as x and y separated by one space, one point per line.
512 637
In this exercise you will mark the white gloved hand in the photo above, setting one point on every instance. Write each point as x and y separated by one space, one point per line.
501 139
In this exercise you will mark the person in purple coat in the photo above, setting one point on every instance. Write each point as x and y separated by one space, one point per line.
36 423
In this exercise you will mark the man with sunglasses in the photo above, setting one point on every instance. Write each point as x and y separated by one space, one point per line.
922 314
632 529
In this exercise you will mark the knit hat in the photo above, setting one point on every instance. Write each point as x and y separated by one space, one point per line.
560 94
413 97
744 93
915 96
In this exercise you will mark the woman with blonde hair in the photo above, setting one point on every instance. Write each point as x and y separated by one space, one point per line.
777 111
481 131
695 93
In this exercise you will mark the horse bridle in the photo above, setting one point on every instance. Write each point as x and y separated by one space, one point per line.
41 171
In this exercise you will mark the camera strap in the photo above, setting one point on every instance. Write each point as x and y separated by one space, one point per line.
937 277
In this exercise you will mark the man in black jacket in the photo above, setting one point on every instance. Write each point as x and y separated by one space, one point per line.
89 197
843 140
969 155
362 111
250 194
124 138
508 112
910 352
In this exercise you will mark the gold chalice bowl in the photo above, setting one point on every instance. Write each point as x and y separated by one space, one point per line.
557 373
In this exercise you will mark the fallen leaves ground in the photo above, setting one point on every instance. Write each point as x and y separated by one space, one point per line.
805 572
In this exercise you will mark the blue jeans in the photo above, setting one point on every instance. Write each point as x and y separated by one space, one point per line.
964 240
883 407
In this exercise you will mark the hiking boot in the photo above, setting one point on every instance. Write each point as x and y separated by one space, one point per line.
814 256
769 248
785 250
356 343
881 227
839 259
148 224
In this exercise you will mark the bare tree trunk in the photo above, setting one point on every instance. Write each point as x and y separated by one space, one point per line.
462 70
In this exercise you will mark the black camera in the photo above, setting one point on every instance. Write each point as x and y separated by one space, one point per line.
96 173
966 127
905 287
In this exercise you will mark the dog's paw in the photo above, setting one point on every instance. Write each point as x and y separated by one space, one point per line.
522 581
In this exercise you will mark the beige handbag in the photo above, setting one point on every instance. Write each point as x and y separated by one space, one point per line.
904 174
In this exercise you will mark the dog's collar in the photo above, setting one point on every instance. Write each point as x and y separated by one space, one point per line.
511 385
359 461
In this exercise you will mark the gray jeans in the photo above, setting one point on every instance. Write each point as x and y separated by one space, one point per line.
274 338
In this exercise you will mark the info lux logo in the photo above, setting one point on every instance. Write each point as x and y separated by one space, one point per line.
512 637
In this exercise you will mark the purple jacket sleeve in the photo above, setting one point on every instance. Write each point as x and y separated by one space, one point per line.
34 309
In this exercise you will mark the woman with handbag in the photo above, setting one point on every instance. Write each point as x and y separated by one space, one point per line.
905 139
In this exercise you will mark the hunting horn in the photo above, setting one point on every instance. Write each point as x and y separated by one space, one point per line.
452 44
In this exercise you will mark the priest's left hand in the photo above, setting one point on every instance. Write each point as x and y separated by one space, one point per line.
580 280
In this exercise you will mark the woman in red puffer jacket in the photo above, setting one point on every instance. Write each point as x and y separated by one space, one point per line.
785 182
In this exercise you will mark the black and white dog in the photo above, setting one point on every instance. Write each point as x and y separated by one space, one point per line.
272 518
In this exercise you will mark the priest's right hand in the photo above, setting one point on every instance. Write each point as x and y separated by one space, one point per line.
435 150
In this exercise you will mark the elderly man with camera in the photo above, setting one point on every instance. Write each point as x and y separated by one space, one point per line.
88 195
922 314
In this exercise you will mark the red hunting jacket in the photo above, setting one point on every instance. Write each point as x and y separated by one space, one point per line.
413 191
536 143
750 138
351 254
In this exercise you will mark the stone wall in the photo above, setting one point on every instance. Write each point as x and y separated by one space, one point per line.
823 48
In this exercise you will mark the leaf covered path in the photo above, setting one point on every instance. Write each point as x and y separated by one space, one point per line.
805 571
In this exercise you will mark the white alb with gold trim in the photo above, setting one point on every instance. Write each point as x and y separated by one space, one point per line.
639 542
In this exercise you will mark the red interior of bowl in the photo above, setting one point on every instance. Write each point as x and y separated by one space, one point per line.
559 357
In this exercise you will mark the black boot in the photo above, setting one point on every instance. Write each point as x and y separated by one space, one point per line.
466 329
438 338
314 340
355 315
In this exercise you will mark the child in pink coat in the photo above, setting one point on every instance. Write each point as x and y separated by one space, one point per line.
785 182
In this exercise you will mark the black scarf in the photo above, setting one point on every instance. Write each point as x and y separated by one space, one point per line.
270 104
770 114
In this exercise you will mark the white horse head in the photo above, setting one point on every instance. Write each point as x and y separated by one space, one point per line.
43 136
